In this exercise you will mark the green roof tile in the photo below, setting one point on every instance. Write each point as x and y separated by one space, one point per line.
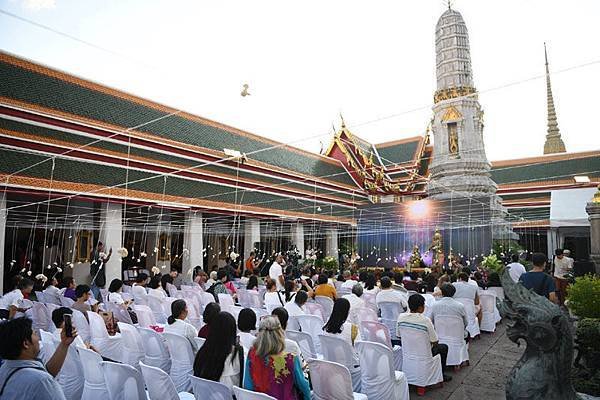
398 153
547 171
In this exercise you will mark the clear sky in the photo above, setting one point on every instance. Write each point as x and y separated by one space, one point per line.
307 61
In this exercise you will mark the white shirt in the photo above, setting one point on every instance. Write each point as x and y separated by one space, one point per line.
449 306
273 299
184 329
465 290
293 310
231 371
53 292
561 267
349 284
391 295
472 282
356 304
516 270
275 271
158 293
246 340
115 298
13 298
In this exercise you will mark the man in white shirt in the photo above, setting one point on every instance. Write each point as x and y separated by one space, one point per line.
466 291
446 305
387 293
52 292
516 268
416 320
11 302
348 281
138 290
562 266
276 272
356 303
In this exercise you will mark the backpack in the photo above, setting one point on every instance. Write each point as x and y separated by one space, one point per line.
211 290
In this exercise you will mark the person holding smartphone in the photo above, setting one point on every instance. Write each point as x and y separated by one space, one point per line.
10 303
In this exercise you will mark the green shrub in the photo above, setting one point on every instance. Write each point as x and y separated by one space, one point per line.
584 297
492 263
586 375
330 263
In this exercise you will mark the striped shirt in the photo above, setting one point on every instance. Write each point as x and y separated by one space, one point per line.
416 321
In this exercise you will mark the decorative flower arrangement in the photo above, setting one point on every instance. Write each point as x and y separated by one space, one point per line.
233 255
330 263
492 263
122 252
41 277
155 270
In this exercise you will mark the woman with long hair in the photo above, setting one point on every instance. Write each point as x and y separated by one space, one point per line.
210 312
252 283
272 370
220 358
371 284
166 278
337 325
176 323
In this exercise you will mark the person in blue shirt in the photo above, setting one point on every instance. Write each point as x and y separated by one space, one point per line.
22 374
538 280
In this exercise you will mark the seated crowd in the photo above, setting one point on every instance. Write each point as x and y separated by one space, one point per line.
244 345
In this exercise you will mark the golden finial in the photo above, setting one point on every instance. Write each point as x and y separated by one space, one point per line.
596 198
342 118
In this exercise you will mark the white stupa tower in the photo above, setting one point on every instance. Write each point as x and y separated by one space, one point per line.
460 167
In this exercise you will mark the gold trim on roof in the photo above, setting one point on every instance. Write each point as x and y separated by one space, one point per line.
451 114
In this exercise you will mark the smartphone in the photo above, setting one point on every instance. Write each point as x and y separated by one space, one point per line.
68 325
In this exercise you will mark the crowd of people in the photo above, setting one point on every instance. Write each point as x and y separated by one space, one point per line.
251 351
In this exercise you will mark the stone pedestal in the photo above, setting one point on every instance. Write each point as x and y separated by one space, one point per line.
192 242
112 237
593 210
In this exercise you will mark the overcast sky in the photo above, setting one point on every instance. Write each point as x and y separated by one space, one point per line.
307 61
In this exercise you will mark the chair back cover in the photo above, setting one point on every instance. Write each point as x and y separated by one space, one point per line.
71 377
372 331
243 394
209 390
246 339
314 309
40 296
390 310
127 289
487 300
366 314
330 380
132 341
225 301
171 289
498 291
338 350
305 341
123 382
39 314
82 325
419 366
369 298
166 304
155 349
119 312
182 360
207 298
254 299
473 326
379 380
312 325
451 332
108 346
94 387
66 301
157 309
242 297
327 305
159 384
145 315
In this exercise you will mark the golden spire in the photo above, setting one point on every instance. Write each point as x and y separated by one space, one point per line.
554 143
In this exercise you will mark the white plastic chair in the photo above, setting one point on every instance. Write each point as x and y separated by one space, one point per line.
109 346
473 326
331 381
206 299
338 350
172 290
71 377
420 367
243 394
372 331
450 330
205 389
327 305
123 382
132 341
498 291
390 309
119 312
40 296
157 309
312 325
155 349
488 308
94 386
166 304
225 301
305 342
160 386
366 314
234 310
254 299
145 316
370 298
182 360
379 379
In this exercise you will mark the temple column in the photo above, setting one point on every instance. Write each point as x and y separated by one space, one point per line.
593 210
112 237
251 235
331 243
3 217
193 243
297 231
